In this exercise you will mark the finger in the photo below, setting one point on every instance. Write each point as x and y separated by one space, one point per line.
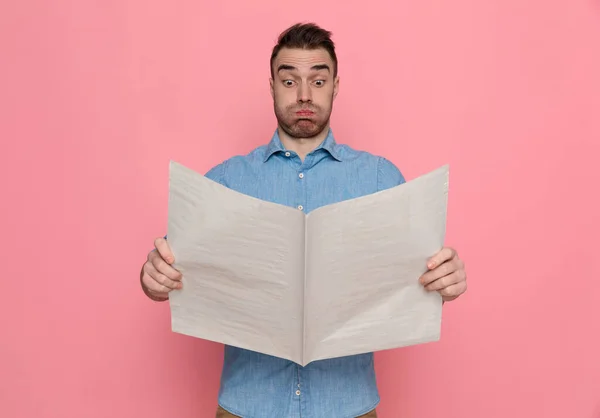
153 286
164 250
454 290
444 282
442 270
162 282
445 254
162 267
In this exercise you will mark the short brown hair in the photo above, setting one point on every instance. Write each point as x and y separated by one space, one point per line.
305 36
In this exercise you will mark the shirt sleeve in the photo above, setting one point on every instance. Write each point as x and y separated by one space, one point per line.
388 175
217 173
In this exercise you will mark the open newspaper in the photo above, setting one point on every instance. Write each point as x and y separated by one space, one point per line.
338 281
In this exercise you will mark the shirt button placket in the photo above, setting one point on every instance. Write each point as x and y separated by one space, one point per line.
301 190
298 392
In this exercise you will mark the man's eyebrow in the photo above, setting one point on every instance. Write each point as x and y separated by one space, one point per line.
317 67
321 67
284 67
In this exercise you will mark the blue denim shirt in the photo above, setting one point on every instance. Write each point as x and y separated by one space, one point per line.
254 385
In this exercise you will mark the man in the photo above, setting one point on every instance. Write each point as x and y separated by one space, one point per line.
303 167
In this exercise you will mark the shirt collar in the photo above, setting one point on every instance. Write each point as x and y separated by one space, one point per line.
328 145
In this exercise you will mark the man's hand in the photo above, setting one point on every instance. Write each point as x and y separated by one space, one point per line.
445 274
158 277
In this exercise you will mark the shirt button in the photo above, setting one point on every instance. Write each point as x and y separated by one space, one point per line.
287 154
300 207
298 392
301 175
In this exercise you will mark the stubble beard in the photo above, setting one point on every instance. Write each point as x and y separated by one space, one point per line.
301 128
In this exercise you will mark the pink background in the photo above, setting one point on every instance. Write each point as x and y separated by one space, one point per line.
97 97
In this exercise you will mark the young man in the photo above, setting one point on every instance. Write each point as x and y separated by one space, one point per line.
302 166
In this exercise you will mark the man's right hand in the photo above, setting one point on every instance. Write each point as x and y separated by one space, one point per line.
158 277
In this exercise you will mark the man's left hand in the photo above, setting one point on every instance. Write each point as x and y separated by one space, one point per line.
445 274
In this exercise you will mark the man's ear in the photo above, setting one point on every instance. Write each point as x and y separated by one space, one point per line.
336 86
271 88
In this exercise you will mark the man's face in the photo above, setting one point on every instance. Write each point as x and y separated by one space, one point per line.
303 89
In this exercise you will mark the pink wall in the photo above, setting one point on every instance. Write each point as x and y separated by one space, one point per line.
97 96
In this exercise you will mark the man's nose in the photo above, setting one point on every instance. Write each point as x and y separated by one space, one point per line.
304 93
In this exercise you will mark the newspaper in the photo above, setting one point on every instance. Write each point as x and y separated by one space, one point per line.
338 281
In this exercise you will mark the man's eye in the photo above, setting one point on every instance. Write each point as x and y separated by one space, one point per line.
320 83
288 83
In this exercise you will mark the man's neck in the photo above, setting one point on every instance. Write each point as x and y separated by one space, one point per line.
302 146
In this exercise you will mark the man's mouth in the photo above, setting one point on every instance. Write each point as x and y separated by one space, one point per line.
305 113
